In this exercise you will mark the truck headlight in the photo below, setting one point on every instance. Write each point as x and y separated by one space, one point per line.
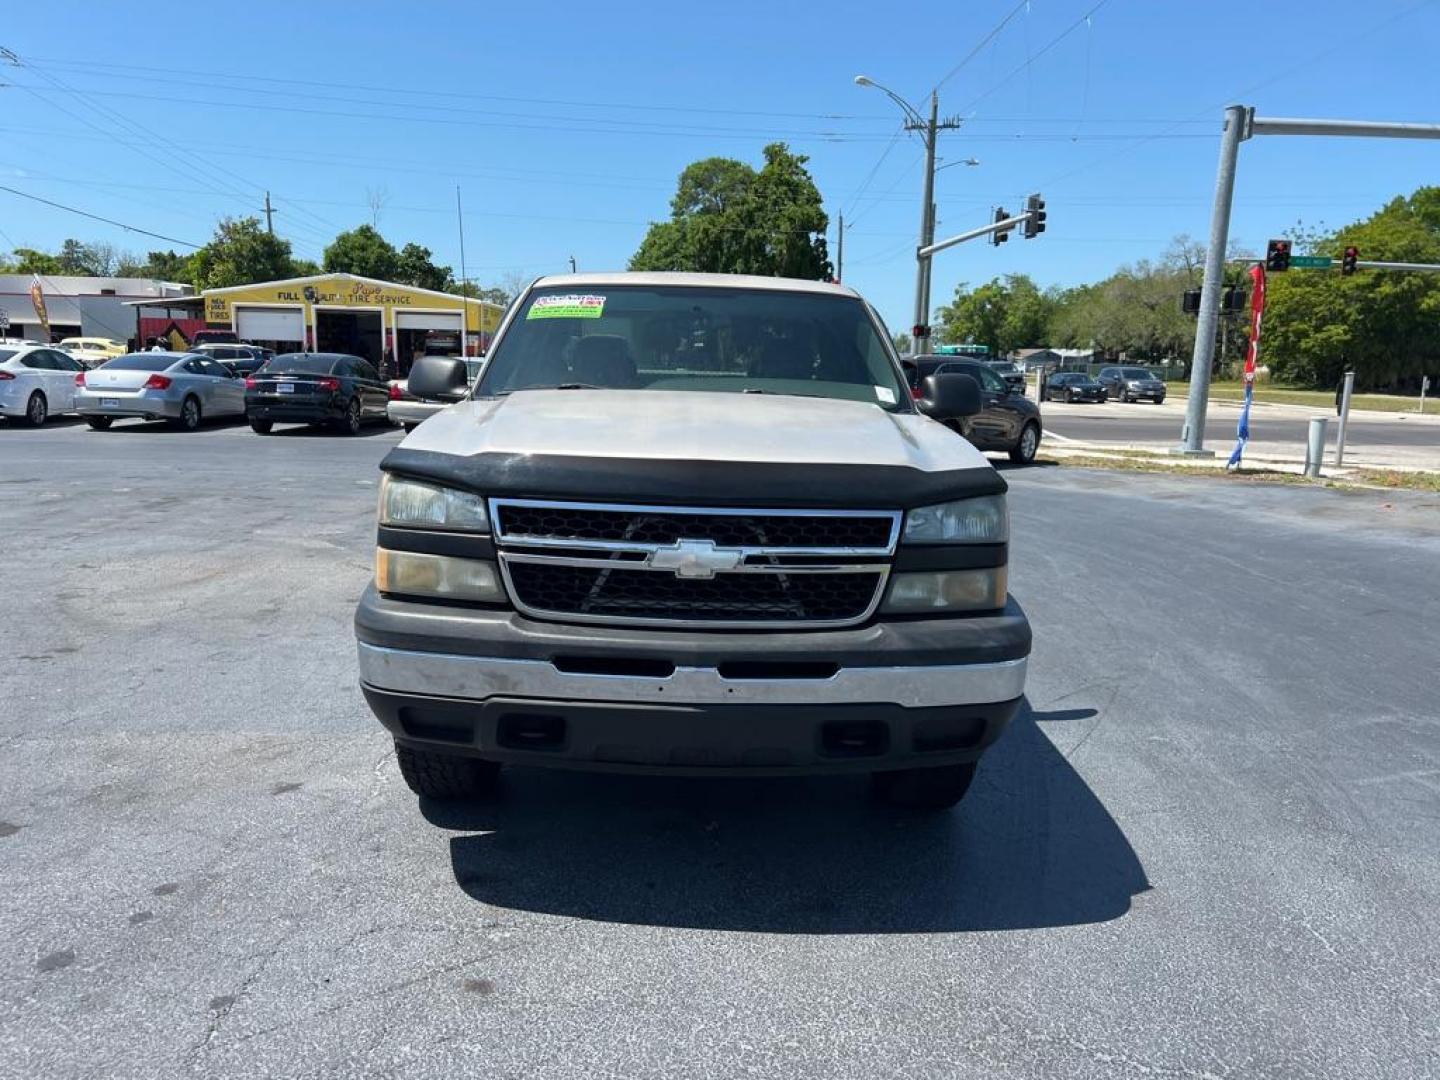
409 573
946 590
983 520
414 504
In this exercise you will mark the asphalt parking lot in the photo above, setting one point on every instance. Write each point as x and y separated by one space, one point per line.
1206 848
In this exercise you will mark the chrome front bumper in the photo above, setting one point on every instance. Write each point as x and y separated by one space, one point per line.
476 678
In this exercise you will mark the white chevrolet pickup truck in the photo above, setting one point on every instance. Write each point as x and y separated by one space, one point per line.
692 524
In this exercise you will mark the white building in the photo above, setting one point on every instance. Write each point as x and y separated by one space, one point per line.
78 306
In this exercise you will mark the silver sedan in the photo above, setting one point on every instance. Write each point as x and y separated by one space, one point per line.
183 388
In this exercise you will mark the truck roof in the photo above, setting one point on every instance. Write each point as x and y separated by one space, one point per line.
714 281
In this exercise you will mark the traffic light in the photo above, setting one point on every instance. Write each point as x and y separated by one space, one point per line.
1233 299
998 238
1035 216
1277 256
1190 301
1349 260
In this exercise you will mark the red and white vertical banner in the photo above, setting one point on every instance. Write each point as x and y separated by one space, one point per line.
1257 312
1252 356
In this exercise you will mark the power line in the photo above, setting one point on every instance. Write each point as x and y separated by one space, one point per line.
1030 60
570 125
186 160
97 217
431 92
991 36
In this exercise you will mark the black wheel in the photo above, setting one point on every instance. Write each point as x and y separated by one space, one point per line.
1069 396
407 428
261 427
189 415
1025 448
435 775
938 788
351 424
100 423
36 409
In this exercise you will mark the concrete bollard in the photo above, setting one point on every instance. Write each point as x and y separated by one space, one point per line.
1315 448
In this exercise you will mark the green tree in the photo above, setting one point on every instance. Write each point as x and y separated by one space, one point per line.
1381 323
241 252
1004 314
726 217
414 267
901 341
365 252
167 266
30 261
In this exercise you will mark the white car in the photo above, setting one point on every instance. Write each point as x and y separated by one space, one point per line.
36 382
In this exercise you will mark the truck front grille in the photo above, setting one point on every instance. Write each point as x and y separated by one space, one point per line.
670 566
727 528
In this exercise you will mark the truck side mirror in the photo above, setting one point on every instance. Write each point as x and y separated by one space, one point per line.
435 378
949 397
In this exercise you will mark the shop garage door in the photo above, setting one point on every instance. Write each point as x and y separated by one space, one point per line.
426 320
270 324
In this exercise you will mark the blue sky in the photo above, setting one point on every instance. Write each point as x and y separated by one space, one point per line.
566 126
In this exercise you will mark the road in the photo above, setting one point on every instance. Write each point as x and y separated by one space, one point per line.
1206 848
1281 429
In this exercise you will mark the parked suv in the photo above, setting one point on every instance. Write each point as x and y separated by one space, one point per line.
692 524
1129 384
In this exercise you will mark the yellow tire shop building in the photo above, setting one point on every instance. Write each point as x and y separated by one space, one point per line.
386 323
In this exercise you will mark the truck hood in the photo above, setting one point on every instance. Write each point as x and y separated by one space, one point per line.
694 426
697 446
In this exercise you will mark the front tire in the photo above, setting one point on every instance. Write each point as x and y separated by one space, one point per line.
100 423
350 425
937 788
1027 446
37 410
1069 397
262 427
434 775
189 415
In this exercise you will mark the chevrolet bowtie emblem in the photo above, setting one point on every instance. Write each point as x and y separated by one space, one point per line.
695 559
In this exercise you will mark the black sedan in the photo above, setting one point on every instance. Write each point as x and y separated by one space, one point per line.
315 388
1006 421
1072 386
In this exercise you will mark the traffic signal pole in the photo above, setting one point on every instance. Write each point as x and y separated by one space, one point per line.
1240 124
1192 436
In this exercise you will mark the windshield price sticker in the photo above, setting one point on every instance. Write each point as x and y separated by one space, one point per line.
566 307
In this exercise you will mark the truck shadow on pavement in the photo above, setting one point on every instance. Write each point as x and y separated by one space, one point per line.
1031 846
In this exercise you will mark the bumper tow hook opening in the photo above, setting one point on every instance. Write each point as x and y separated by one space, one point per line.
531 731
854 739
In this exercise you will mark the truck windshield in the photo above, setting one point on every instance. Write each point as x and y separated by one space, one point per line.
684 338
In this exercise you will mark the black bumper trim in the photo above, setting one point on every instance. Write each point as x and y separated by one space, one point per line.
416 626
732 740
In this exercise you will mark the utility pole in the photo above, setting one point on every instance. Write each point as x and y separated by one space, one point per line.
840 253
269 210
1241 124
928 130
